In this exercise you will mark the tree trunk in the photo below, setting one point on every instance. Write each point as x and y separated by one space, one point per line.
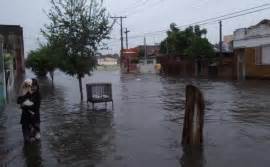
80 85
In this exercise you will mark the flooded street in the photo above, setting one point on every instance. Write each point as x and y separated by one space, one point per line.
145 127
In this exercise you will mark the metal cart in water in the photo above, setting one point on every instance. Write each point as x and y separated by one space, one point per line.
99 93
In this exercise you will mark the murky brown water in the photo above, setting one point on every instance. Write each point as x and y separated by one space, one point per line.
145 128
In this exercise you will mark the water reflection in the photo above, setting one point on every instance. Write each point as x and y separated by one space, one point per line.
32 155
83 138
193 156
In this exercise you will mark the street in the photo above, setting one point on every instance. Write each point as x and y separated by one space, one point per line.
145 127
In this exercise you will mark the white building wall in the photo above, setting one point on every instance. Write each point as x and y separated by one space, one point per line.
252 37
107 61
251 42
144 67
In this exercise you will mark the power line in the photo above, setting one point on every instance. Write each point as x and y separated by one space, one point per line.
132 6
135 7
214 19
152 5
211 20
230 14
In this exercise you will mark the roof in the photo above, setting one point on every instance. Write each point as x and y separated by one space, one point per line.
253 36
6 29
264 22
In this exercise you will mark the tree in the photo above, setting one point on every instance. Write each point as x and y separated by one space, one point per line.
38 62
43 60
200 48
78 27
188 42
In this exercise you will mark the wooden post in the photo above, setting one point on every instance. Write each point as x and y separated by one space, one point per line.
194 117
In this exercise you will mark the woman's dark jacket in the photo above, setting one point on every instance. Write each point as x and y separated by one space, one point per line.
27 117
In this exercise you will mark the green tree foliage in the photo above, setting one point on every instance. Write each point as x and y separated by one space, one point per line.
189 42
200 48
78 27
42 61
38 61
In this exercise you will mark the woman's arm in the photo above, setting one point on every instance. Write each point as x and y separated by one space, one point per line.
36 100
21 99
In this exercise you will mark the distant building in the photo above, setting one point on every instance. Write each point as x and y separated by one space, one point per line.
130 60
148 59
252 51
151 50
12 57
227 44
108 60
12 38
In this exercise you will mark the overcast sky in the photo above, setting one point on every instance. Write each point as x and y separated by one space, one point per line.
143 16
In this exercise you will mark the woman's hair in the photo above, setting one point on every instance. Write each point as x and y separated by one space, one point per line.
26 86
35 84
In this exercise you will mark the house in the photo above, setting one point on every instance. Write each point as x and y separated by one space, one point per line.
13 44
108 60
129 60
151 50
12 57
149 65
224 66
252 50
148 58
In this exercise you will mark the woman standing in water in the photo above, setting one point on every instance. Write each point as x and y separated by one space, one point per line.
29 102
37 100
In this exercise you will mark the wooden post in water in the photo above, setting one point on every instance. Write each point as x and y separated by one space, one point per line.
194 117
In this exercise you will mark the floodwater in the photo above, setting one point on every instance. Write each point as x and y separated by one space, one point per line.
145 127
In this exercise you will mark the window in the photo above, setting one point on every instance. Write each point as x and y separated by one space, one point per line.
258 56
266 55
262 55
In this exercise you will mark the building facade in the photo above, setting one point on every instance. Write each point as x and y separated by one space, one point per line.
252 51
12 57
107 60
13 44
129 60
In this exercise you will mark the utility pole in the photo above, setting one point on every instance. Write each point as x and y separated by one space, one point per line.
145 49
126 32
220 38
121 32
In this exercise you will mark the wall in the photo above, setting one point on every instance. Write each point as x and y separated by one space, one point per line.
177 65
148 67
129 59
107 61
253 70
227 67
12 36
253 36
252 42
